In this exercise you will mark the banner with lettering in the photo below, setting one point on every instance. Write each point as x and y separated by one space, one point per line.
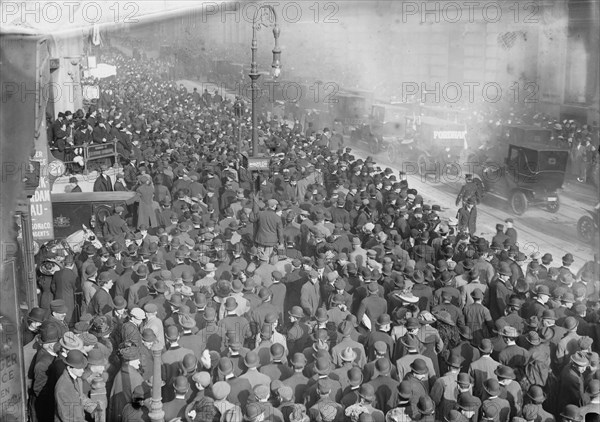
41 204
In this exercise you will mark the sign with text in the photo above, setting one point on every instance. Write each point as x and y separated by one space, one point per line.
101 151
12 380
258 164
449 134
41 205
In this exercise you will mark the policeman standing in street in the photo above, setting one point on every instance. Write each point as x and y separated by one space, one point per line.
469 190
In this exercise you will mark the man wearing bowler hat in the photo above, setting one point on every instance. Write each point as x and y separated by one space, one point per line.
58 313
565 268
536 396
175 408
212 335
371 306
35 318
71 401
549 325
102 302
571 384
492 399
103 182
545 266
44 375
64 286
499 292
510 389
140 288
467 217
444 390
539 305
232 322
483 368
569 343
512 355
384 386
298 332
240 388
381 333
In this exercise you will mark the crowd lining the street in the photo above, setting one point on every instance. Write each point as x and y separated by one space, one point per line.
325 290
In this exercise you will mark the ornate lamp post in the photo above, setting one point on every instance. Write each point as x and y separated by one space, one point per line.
156 413
254 75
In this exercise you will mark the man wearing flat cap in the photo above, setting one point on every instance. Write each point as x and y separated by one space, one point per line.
130 330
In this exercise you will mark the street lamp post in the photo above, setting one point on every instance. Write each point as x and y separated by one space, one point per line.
156 413
254 75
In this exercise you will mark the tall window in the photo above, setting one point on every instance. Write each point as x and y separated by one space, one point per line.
582 52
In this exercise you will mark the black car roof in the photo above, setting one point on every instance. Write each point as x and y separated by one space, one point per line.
539 147
528 127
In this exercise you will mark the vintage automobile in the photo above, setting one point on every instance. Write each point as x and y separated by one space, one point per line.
531 175
351 109
494 149
72 210
382 129
364 135
587 226
432 145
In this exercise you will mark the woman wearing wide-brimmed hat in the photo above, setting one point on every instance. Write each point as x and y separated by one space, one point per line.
45 272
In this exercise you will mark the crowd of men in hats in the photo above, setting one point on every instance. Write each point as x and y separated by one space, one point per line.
332 294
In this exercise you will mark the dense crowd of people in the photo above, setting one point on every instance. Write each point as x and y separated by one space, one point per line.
325 290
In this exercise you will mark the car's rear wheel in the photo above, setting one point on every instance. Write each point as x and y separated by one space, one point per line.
553 206
586 229
518 202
